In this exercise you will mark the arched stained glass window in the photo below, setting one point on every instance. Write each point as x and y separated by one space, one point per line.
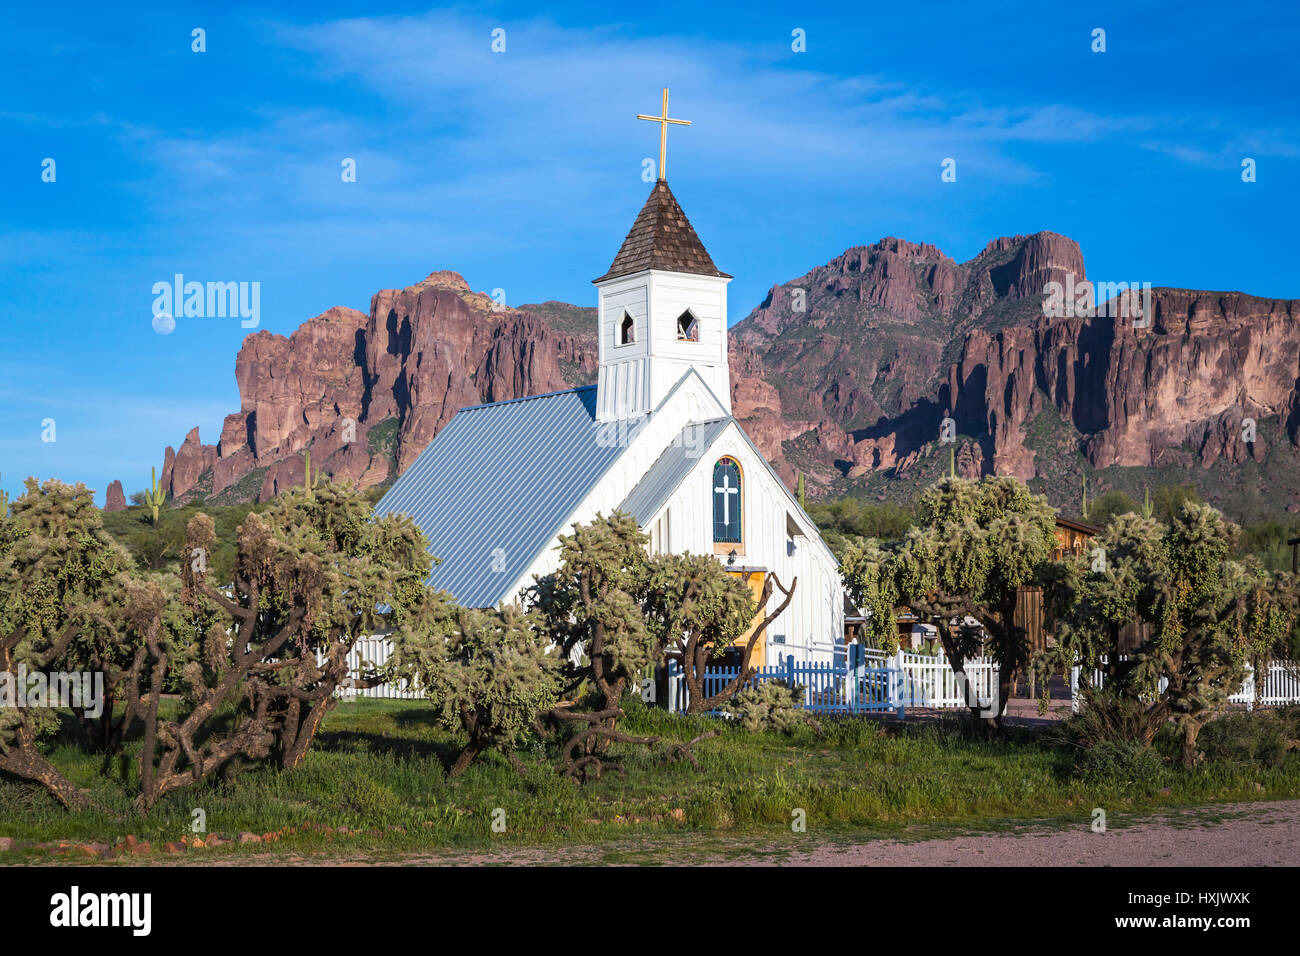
726 502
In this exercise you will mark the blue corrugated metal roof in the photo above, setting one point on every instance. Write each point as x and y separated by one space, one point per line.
671 468
504 476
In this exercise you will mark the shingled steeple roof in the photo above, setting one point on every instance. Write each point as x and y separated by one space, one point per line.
662 238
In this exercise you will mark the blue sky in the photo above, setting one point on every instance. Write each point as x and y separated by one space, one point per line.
522 170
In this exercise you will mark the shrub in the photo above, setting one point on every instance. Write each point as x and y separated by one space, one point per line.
488 675
1108 717
1122 764
369 800
1261 738
976 544
1206 615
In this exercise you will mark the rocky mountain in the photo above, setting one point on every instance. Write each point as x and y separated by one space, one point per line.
865 357
859 342
366 392
846 374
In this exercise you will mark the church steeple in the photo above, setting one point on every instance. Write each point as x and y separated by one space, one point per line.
663 309
662 238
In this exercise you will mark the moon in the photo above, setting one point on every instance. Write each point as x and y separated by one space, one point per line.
163 323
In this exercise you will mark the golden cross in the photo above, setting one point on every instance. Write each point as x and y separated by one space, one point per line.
663 121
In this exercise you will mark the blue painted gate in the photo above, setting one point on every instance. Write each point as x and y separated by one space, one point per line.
853 684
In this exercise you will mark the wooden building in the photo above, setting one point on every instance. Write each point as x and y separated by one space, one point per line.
1072 537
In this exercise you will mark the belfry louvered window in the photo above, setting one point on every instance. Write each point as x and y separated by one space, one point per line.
627 330
726 502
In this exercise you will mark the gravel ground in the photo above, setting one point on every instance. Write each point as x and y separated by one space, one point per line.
1264 834
1239 834
1257 834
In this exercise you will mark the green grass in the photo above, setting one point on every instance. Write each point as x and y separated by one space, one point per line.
379 766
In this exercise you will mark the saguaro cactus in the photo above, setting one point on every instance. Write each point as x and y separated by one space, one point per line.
155 497
1085 497
308 480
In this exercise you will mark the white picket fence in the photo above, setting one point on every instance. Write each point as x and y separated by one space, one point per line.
883 681
930 681
375 650
829 687
1281 686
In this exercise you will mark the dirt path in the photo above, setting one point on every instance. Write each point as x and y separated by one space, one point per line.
1265 834
1241 834
1261 834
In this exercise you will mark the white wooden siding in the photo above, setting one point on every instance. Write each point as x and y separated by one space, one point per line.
814 621
655 300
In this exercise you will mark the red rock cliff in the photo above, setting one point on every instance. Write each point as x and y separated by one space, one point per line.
420 355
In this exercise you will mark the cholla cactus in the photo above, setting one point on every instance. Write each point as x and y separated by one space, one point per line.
771 705
490 674
155 497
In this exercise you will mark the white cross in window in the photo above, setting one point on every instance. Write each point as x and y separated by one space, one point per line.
726 490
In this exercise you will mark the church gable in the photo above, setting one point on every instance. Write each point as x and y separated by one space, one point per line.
725 489
720 496
670 469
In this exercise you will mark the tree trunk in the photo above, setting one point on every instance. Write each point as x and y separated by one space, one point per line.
472 750
1006 680
695 657
1112 655
24 761
957 662
294 754
1191 756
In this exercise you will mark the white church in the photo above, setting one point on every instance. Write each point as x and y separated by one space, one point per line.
654 438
